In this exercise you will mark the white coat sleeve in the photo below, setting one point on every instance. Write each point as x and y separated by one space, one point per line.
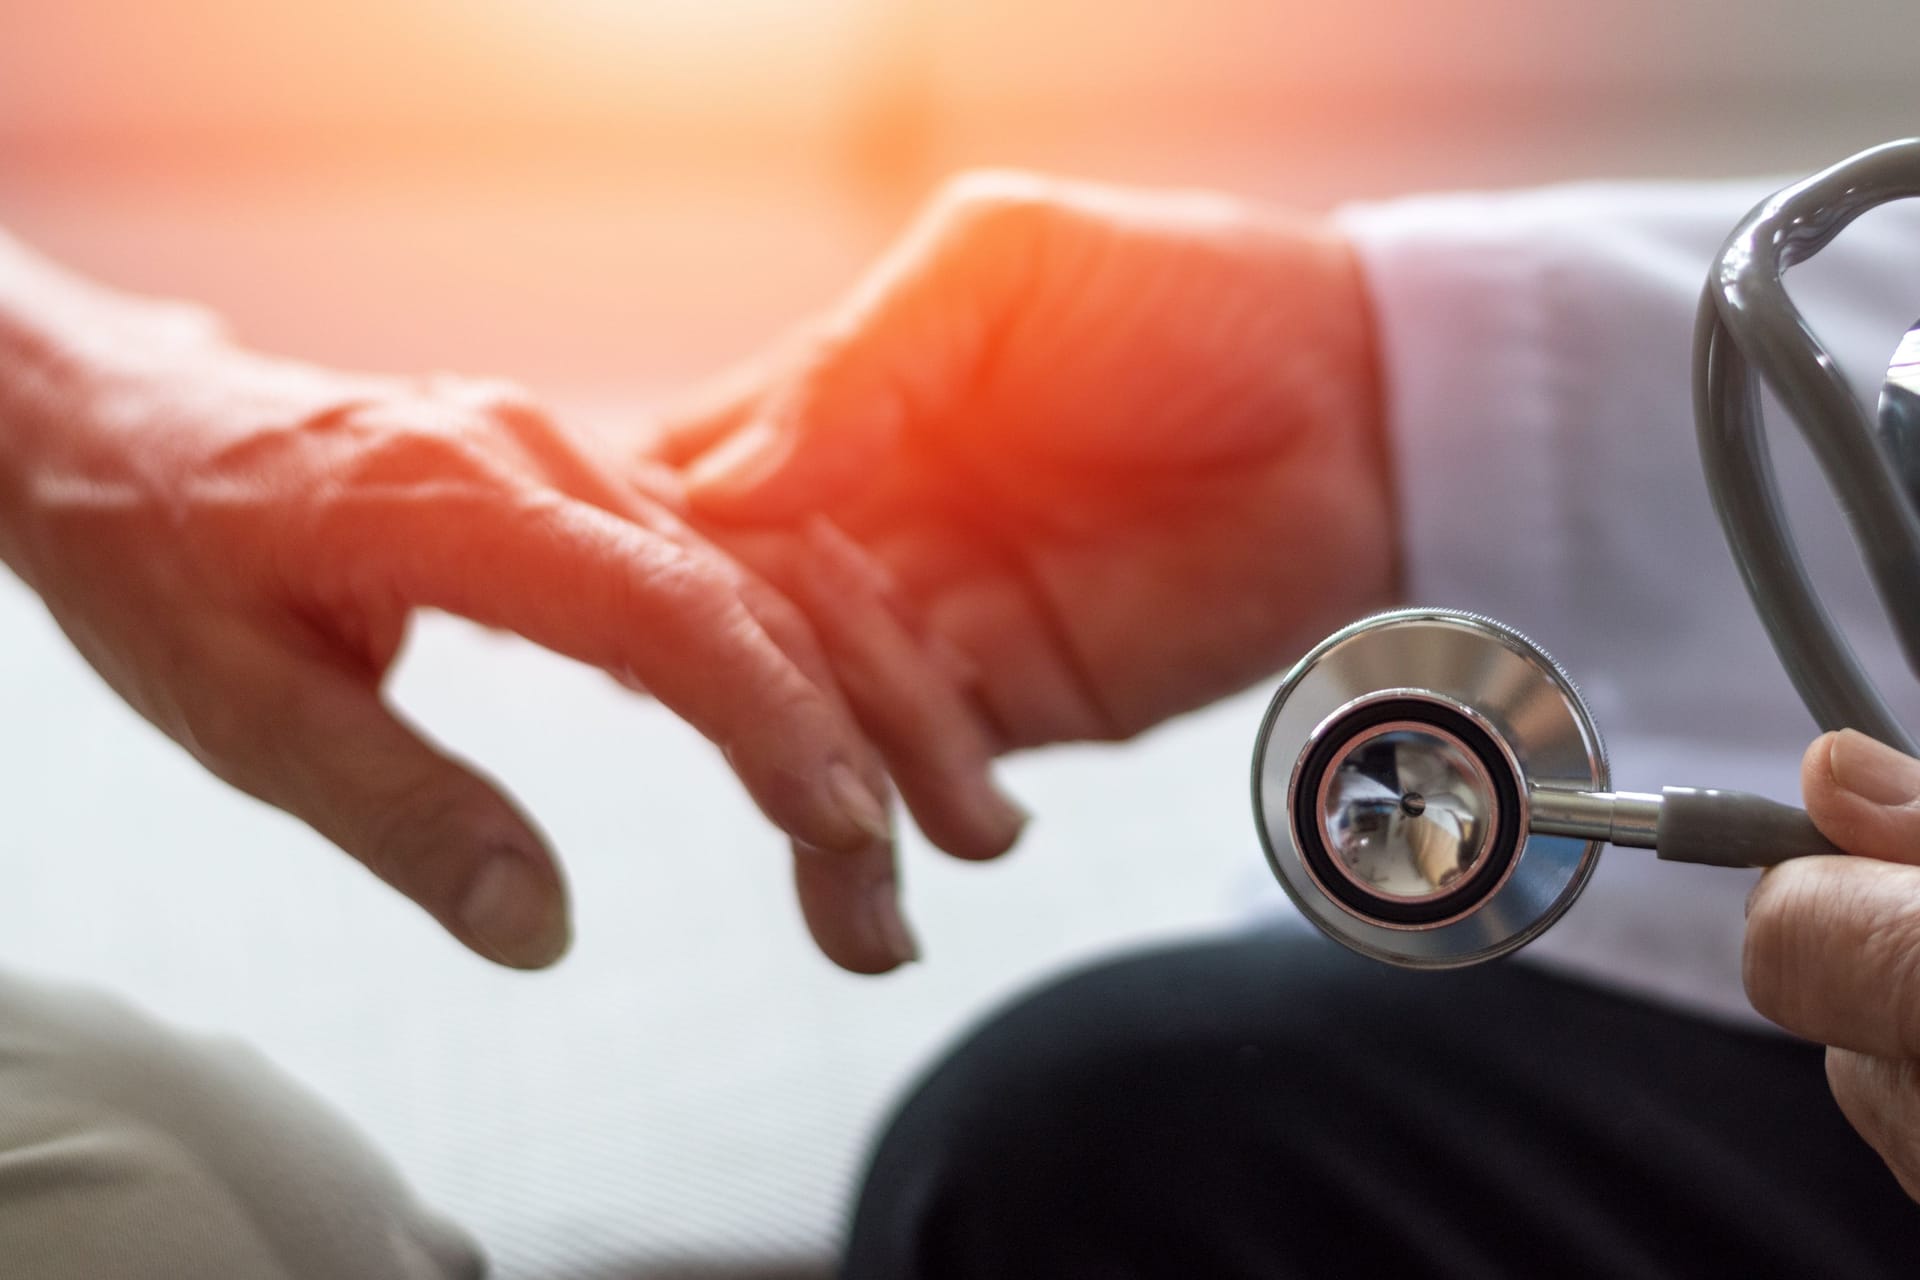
1536 350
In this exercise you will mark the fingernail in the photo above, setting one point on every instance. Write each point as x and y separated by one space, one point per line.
512 911
857 801
738 464
888 925
1872 770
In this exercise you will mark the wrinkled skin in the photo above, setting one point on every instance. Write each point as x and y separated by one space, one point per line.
236 542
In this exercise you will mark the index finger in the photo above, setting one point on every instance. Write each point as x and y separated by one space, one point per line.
1833 953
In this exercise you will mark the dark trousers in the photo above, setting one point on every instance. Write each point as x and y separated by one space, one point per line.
1271 1106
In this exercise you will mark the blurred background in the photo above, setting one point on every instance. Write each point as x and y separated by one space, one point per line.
608 199
611 194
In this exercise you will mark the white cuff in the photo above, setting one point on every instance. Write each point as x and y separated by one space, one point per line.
1457 294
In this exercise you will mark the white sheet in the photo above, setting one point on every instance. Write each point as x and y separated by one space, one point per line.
690 1093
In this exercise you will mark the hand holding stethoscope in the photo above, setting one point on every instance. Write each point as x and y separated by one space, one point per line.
1428 784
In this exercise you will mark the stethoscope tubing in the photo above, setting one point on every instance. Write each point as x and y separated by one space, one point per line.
1747 320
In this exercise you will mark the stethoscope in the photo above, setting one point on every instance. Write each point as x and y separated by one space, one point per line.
1429 785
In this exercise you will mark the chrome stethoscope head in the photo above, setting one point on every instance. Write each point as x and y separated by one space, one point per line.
1393 780
1429 787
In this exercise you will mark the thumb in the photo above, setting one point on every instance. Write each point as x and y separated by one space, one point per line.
1863 795
816 447
904 351
315 740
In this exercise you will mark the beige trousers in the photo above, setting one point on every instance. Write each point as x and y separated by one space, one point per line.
128 1149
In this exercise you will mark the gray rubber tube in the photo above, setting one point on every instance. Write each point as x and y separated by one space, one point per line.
1733 829
1746 319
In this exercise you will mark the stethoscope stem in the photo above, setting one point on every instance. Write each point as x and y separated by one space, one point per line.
1681 824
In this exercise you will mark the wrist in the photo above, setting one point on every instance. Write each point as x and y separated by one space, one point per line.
79 368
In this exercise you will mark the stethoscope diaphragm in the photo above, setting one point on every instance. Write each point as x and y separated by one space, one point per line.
1431 791
1391 787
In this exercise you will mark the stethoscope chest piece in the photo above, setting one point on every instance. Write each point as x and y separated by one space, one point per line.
1391 783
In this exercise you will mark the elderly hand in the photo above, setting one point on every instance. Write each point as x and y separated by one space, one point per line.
1833 944
236 542
1118 452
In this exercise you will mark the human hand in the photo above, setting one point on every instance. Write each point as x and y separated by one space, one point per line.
1119 451
235 543
1833 944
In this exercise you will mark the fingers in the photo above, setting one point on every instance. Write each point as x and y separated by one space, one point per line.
911 694
1864 796
597 588
852 909
1831 951
851 902
592 586
314 739
1880 1098
905 348
935 746
1832 943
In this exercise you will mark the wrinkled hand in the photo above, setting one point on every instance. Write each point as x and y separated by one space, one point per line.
1116 454
236 543
1833 944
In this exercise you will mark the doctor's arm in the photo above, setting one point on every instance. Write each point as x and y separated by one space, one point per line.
235 542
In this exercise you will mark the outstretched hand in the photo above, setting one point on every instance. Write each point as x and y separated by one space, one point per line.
1111 454
236 543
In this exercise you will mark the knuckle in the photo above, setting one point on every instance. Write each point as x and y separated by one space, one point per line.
992 216
390 473
990 199
413 458
501 406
